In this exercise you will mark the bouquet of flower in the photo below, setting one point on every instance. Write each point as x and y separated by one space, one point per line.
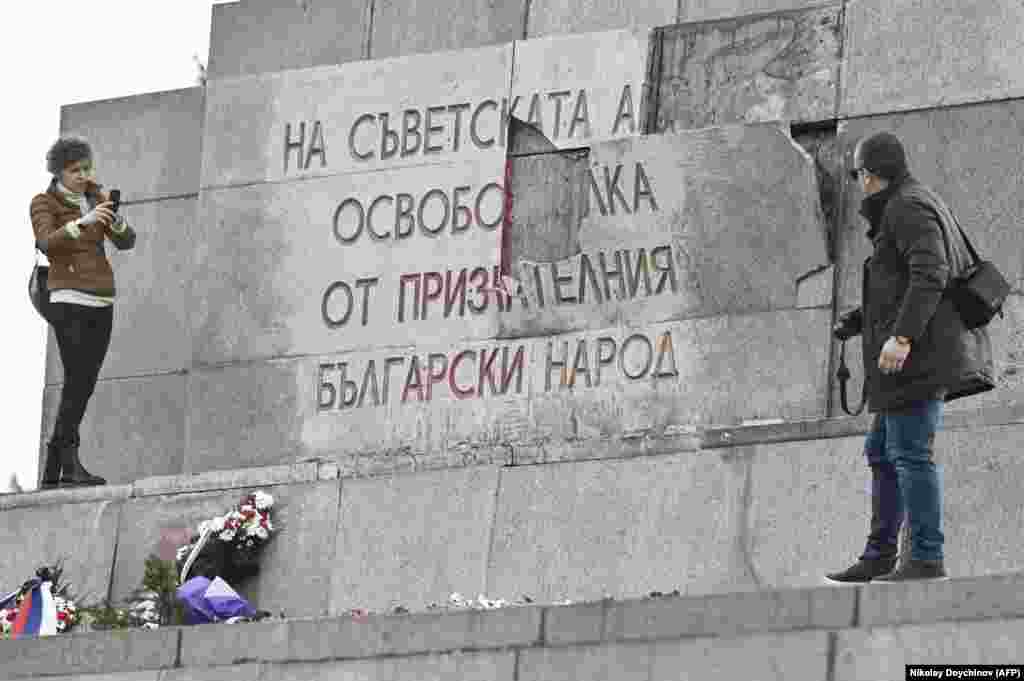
229 546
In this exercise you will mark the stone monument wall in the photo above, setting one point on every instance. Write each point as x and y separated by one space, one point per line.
387 231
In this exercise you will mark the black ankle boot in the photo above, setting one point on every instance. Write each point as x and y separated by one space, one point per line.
51 469
73 473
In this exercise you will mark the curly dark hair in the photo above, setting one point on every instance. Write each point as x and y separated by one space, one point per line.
67 150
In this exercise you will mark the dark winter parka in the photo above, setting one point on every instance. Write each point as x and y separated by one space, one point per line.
917 250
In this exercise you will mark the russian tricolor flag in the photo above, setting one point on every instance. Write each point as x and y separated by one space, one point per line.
37 614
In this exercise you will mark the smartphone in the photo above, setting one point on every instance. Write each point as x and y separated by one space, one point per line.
115 196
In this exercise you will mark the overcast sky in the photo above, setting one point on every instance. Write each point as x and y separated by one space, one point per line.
59 52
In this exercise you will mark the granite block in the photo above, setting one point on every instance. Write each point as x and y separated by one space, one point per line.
414 539
575 90
227 479
150 329
299 555
701 223
238 672
403 27
583 16
257 37
133 427
580 527
356 117
491 665
993 596
789 656
538 391
609 662
782 66
883 652
352 637
292 269
910 54
92 653
707 10
81 535
723 615
145 145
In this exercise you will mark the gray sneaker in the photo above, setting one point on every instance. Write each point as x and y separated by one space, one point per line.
914 569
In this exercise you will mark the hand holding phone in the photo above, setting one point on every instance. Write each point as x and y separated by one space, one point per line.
115 198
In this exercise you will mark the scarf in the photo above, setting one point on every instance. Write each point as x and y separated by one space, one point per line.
873 207
74 199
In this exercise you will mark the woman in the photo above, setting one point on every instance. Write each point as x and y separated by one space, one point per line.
70 221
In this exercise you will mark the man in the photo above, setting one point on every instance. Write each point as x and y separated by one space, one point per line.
917 356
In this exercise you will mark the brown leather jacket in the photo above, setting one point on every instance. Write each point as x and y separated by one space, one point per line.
80 263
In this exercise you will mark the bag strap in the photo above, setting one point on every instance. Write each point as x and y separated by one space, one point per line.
843 374
970 247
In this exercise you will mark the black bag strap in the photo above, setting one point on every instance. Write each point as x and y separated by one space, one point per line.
970 247
843 374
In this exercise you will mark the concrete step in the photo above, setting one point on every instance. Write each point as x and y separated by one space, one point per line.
701 511
853 633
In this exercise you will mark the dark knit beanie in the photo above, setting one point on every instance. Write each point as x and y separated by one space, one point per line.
883 155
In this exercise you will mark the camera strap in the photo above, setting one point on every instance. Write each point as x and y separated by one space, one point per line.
843 374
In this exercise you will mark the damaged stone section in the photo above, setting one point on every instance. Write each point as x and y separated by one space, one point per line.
782 66
718 221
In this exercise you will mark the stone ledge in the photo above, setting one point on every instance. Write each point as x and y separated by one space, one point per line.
962 598
347 638
90 653
726 621
716 615
671 440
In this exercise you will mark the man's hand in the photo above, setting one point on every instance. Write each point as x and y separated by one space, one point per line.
894 355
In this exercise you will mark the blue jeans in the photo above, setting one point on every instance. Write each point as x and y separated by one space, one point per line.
905 480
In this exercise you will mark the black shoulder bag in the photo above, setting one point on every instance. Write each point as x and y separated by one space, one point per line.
979 293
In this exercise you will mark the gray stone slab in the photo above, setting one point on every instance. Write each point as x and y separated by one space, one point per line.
403 27
413 539
257 37
92 653
816 290
65 495
714 221
580 89
146 145
368 636
783 66
883 652
150 331
228 479
906 54
705 10
793 655
583 16
496 665
807 509
609 662
721 615
790 656
133 427
273 278
994 596
236 672
338 115
823 488
82 535
727 370
295 569
616 528
153 675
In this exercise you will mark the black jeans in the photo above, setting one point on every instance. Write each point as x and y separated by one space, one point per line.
83 336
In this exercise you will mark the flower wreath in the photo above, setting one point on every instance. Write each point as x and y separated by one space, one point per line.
229 546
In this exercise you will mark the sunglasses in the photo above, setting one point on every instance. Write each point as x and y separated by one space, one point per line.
855 173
